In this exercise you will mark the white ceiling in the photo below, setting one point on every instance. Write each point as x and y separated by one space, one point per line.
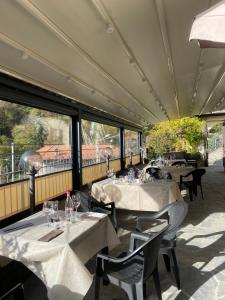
144 71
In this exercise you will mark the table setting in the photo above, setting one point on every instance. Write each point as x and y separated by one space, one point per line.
56 249
143 193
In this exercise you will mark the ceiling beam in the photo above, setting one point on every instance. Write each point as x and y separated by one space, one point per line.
60 71
219 78
132 58
67 40
29 80
161 14
197 78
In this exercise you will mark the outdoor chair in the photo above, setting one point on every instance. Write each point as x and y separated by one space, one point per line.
193 184
12 277
153 172
89 203
179 163
132 271
175 214
16 292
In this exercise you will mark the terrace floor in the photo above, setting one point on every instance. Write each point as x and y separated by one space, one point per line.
200 250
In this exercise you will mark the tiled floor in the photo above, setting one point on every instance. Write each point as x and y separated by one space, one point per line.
200 250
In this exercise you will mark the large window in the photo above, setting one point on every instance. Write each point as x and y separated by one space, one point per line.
24 128
98 141
131 142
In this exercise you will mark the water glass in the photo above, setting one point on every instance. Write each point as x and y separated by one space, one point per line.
46 209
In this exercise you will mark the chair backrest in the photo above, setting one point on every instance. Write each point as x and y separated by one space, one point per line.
197 178
148 251
87 202
153 171
150 254
177 211
197 175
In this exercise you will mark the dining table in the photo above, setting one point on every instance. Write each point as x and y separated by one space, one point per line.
58 256
147 196
175 171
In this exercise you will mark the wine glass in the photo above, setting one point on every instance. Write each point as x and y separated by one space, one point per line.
76 202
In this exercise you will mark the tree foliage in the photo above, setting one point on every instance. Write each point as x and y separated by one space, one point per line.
185 134
29 134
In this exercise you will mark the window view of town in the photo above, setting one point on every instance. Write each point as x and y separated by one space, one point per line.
99 141
24 128
131 142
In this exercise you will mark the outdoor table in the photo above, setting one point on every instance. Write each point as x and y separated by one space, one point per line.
59 263
175 171
150 196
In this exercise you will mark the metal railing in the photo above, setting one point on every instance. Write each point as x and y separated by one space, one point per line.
10 170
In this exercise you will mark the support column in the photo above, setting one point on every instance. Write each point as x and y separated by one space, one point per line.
122 149
206 151
224 145
76 152
140 146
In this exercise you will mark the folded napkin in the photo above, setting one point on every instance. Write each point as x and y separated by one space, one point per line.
51 235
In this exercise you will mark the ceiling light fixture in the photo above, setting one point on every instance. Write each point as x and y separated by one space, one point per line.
24 55
109 28
69 79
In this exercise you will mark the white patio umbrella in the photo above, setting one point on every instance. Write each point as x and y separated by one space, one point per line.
209 27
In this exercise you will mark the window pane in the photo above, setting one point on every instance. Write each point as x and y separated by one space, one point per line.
131 142
24 128
98 140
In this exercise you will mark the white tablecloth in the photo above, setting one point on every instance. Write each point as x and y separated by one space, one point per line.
151 196
60 262
176 172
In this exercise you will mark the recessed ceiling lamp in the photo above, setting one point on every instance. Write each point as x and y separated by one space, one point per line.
69 79
109 28
24 55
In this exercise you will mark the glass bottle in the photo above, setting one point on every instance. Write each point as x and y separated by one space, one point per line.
68 206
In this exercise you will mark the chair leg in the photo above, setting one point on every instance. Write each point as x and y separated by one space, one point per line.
167 262
139 291
175 268
190 193
115 220
131 292
201 191
144 290
157 283
97 287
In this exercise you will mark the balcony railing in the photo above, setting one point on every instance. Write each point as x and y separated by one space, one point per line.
55 161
